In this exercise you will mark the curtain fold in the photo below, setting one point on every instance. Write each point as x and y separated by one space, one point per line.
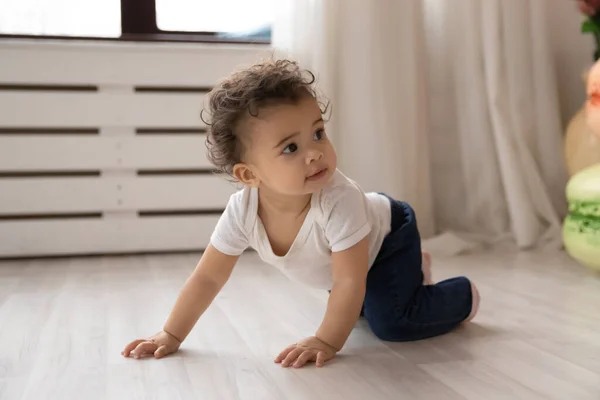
504 114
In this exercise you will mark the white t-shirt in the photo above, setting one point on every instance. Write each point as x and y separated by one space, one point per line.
340 216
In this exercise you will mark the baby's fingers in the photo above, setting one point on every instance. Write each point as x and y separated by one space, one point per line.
322 358
143 349
291 357
306 356
162 351
284 353
132 346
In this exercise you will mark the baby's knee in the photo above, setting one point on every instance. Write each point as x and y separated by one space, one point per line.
389 328
395 332
475 300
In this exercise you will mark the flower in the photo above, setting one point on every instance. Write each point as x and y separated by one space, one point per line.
589 7
591 23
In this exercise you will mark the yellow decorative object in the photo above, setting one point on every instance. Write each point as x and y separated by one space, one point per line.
582 146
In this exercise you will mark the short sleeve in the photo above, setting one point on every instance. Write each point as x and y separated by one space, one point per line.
230 236
347 222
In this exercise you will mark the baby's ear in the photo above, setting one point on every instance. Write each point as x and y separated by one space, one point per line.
244 174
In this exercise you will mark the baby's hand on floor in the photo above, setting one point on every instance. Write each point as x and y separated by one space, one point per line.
158 345
309 349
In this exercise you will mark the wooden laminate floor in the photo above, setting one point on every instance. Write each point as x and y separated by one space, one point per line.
63 323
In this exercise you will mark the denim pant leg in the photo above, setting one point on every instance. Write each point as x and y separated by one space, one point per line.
398 307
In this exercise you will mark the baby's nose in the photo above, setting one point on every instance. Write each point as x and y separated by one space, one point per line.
313 155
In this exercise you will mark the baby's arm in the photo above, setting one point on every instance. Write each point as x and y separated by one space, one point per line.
349 269
209 276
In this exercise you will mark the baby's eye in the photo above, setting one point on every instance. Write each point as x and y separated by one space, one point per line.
319 134
291 148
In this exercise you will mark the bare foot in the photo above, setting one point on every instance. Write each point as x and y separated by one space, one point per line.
426 267
475 304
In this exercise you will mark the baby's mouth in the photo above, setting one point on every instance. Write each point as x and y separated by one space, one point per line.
318 174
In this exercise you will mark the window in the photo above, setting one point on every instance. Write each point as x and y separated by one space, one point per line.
214 15
98 18
170 20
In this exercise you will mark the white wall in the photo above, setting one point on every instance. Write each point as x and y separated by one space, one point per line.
102 145
573 52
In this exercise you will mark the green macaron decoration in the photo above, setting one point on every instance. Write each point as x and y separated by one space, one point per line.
581 229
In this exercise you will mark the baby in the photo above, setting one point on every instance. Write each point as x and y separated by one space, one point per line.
305 217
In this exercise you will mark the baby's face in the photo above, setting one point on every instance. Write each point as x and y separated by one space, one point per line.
289 151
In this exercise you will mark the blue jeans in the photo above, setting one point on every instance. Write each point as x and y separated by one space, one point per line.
397 306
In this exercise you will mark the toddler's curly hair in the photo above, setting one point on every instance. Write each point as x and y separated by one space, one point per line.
242 95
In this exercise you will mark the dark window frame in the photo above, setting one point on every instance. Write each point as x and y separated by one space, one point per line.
138 24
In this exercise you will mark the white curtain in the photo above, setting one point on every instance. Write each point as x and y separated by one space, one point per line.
369 60
452 106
